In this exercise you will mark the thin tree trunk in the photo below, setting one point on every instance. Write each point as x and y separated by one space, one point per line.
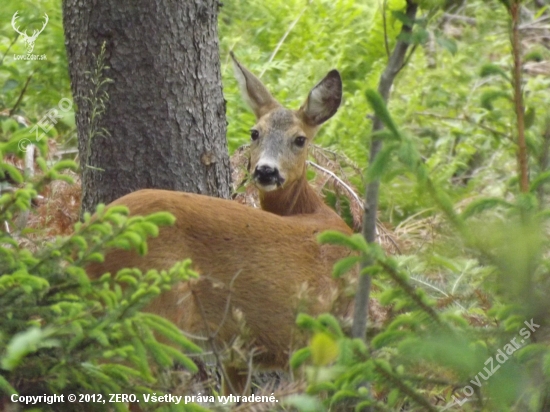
165 112
395 64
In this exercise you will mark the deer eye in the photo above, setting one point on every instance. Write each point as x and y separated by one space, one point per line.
300 141
254 134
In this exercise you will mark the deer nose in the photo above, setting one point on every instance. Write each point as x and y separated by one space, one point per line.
267 175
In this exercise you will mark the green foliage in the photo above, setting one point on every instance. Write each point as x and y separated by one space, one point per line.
474 266
424 347
254 29
62 333
31 88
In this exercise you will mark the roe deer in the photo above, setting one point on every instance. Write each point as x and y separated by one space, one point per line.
260 261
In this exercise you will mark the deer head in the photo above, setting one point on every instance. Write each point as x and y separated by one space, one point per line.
29 40
280 137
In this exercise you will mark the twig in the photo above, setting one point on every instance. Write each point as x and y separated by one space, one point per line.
8 49
199 355
533 23
399 383
194 337
448 17
357 199
437 290
227 303
340 158
212 342
290 28
16 105
412 218
212 336
455 285
380 228
340 181
409 289
250 369
468 120
518 97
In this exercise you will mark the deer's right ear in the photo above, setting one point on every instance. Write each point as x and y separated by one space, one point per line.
253 91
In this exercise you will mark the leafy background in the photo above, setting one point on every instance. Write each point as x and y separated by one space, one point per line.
453 104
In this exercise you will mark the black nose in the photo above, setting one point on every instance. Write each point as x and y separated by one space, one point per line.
267 175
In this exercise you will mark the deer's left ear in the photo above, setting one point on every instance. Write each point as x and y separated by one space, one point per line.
323 100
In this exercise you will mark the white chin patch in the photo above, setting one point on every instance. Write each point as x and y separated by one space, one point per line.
266 188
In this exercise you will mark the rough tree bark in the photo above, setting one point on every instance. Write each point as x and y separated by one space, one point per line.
165 112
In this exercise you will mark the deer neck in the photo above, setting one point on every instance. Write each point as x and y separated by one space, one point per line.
297 198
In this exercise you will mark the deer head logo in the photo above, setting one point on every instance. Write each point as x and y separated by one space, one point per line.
29 40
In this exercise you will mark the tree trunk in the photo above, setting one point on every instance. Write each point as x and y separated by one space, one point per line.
165 113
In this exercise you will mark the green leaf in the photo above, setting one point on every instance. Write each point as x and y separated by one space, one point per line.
530 116
380 109
534 56
64 165
79 242
344 395
13 172
531 352
331 324
445 262
345 265
150 229
491 69
170 331
100 208
306 322
42 164
119 372
132 237
354 242
447 43
393 398
402 17
408 155
5 386
389 338
540 180
489 96
420 35
299 357
25 343
179 357
95 257
381 163
117 209
161 218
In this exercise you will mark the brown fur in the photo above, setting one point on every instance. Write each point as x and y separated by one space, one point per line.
262 260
